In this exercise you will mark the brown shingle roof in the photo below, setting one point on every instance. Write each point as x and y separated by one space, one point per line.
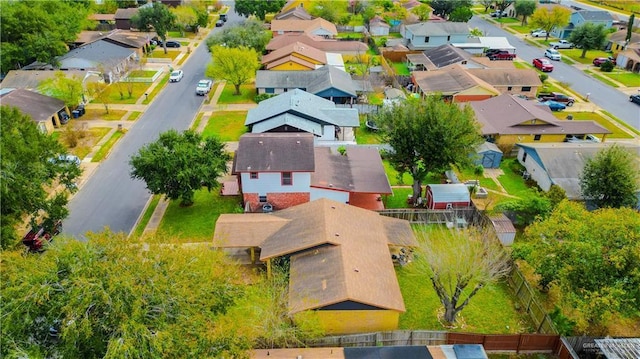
125 14
318 42
449 81
296 48
39 107
306 26
507 77
360 170
275 152
507 114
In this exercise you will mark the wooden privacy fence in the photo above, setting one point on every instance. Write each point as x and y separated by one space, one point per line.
519 343
433 216
526 295
394 338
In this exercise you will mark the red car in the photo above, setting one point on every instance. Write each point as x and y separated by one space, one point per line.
601 60
543 64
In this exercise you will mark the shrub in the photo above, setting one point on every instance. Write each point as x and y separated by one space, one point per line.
263 96
543 77
607 66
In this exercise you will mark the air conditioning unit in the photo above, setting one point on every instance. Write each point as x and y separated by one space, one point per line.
267 207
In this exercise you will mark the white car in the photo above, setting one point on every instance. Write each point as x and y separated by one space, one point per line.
539 33
553 54
176 76
203 88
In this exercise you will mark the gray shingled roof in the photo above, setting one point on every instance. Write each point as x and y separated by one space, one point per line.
589 15
275 152
432 28
360 170
306 107
39 107
314 81
446 54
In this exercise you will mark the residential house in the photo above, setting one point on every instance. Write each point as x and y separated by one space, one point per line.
454 83
300 111
577 18
340 256
133 40
103 56
296 13
45 111
351 48
430 34
317 27
478 45
123 18
629 58
327 82
103 22
562 163
31 79
300 57
378 27
280 170
509 119
618 41
513 81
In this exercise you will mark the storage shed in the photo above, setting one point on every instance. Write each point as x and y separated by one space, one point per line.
504 228
448 196
488 155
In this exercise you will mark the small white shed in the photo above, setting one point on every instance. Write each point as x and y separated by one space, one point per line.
505 230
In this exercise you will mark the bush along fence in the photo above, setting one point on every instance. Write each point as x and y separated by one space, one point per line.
502 343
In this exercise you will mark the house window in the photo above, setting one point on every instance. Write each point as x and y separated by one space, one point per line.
526 88
509 88
426 39
262 199
253 175
524 157
287 179
448 38
269 90
537 137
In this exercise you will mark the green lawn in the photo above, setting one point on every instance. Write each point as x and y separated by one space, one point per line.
574 54
521 29
134 116
138 89
350 35
394 179
467 174
142 73
375 98
187 34
158 53
601 78
401 68
626 78
247 94
107 146
522 65
226 125
550 87
365 135
507 20
582 116
398 199
511 181
197 222
96 133
620 122
99 114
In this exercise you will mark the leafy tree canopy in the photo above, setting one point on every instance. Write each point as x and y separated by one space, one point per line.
67 89
445 7
236 65
588 36
157 17
329 10
185 16
549 18
30 166
525 8
178 164
250 33
591 257
38 30
115 298
258 8
611 178
428 135
461 14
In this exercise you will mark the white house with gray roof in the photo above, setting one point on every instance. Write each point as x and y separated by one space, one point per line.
581 17
430 34
300 111
328 82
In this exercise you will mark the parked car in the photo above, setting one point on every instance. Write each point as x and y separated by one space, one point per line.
581 138
562 44
543 64
203 88
36 237
64 117
176 76
219 23
539 33
635 99
499 13
601 60
502 55
556 96
554 105
553 54
172 43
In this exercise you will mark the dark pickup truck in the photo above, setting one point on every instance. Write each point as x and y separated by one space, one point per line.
555 96
502 55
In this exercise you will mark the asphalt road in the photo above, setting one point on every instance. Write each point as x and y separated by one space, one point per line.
606 97
110 198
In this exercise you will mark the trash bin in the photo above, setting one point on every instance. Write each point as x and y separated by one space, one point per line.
75 113
81 110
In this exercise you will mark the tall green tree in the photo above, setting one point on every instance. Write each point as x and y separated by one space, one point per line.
258 8
592 258
178 164
611 178
427 136
423 11
250 33
38 30
588 36
459 264
157 17
328 9
461 14
236 65
486 4
630 28
445 7
30 166
550 18
185 16
525 8
67 89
